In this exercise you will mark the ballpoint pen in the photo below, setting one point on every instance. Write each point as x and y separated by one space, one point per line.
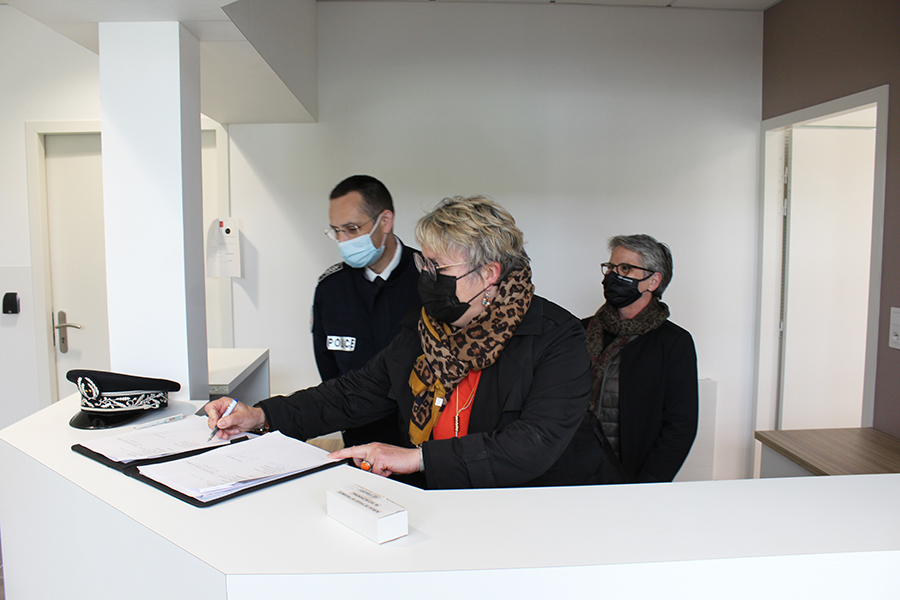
225 414
159 421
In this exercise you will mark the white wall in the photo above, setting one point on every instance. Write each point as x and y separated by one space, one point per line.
584 121
45 77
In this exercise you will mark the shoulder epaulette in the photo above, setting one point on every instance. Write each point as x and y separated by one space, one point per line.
331 271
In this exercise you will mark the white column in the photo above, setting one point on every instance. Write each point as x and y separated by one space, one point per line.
150 120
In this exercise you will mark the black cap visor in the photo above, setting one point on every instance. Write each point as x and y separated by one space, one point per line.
93 420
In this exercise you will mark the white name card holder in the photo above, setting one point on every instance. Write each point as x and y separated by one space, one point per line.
368 513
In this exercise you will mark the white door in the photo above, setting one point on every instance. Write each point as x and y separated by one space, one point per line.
74 189
832 169
77 253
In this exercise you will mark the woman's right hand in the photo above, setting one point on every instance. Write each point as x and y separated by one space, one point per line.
242 418
382 459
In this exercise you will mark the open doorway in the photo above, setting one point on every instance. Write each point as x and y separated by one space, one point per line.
820 263
826 267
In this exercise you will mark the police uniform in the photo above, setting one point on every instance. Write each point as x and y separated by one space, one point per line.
354 319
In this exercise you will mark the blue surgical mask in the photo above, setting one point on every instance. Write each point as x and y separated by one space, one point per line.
360 251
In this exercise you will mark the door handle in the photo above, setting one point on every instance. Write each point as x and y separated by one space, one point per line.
61 326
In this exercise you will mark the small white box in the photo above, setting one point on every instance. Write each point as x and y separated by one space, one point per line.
367 513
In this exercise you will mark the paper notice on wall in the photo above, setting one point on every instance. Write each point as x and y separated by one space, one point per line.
223 249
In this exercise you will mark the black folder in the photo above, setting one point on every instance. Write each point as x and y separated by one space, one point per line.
131 469
133 472
124 466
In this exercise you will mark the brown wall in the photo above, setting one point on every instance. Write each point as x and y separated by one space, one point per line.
820 50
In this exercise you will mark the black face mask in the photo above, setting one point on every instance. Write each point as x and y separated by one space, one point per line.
439 297
621 291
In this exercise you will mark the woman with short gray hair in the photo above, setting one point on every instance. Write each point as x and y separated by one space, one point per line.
644 394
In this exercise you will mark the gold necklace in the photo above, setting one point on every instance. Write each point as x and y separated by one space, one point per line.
459 410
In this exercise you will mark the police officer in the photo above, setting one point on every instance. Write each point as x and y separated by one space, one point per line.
360 302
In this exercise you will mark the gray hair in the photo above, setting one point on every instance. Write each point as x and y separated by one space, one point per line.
655 255
482 230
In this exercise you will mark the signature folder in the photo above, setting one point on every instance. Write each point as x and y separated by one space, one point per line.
177 459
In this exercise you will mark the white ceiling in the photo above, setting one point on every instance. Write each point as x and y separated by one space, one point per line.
223 45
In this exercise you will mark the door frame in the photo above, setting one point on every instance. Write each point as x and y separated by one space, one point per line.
42 293
768 360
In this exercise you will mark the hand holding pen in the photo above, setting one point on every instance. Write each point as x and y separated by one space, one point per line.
238 416
227 412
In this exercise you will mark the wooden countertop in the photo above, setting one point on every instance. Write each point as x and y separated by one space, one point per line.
851 451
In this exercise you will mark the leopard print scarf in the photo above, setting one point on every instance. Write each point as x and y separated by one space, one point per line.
449 355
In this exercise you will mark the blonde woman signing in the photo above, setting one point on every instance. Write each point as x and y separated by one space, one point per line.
491 381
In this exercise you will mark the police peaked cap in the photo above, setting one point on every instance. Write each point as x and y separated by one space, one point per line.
111 399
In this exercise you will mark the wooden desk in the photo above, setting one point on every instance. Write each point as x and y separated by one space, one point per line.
852 451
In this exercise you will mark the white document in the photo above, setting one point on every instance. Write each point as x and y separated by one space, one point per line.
186 434
226 470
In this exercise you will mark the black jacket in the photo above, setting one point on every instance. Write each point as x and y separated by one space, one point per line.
349 306
658 402
364 317
527 418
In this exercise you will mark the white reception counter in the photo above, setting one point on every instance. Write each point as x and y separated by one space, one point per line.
72 528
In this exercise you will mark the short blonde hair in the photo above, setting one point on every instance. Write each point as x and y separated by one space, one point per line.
480 229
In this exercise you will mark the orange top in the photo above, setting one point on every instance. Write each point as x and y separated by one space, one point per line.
454 420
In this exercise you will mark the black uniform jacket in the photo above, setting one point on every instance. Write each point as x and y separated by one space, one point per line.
658 402
365 317
350 307
527 425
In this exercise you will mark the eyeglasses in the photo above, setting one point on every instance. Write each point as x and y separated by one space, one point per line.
426 265
624 269
350 230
